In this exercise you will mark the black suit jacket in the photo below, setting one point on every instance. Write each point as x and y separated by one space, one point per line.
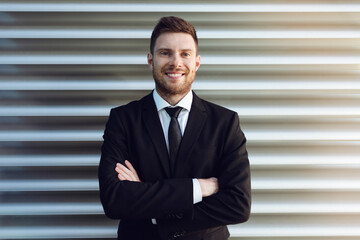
212 146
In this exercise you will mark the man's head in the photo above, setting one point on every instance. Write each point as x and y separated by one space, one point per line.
172 25
173 58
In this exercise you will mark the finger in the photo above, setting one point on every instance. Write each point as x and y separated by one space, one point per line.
121 178
130 166
127 171
118 166
119 171
123 168
214 179
124 174
132 169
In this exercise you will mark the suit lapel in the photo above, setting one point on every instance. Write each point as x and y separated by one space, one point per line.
153 125
192 132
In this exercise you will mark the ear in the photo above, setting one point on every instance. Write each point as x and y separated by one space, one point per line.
197 62
150 60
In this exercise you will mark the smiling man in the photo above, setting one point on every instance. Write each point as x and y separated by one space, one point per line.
174 166
174 62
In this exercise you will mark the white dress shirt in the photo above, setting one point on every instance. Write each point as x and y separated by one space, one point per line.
183 117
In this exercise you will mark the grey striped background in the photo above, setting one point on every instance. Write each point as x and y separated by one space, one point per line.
291 69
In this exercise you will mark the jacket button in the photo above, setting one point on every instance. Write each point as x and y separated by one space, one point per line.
177 234
179 215
172 236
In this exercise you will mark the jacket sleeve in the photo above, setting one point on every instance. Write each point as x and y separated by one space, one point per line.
137 200
231 205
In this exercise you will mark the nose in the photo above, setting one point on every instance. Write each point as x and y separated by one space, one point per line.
176 61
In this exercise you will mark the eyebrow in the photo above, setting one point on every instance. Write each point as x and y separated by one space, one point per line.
168 49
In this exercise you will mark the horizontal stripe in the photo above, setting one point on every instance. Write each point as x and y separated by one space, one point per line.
178 7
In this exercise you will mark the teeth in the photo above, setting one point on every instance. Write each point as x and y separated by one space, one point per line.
174 75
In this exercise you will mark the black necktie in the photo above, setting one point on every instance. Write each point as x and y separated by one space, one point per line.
174 135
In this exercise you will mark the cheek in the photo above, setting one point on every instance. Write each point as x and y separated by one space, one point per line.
193 69
155 67
158 66
190 66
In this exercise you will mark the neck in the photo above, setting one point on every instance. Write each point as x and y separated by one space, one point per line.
172 99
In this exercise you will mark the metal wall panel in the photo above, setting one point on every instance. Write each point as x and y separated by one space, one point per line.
291 69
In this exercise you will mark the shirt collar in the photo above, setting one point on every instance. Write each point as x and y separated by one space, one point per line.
184 103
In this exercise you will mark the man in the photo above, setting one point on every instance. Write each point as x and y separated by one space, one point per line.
174 166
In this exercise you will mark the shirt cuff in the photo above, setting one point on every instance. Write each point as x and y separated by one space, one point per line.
197 194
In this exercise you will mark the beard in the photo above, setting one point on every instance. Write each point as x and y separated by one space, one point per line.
175 87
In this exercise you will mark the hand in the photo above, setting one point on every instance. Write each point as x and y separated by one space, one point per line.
209 186
127 173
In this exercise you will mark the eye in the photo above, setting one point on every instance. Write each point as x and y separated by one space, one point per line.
164 53
186 54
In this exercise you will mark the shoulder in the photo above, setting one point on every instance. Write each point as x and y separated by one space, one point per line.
215 109
133 106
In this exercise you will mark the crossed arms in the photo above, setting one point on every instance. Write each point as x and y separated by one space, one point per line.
208 186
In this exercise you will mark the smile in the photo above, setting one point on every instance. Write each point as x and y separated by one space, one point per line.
175 75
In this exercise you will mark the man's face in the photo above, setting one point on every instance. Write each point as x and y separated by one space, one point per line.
174 63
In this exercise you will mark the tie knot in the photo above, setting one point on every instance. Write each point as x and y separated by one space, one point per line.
173 112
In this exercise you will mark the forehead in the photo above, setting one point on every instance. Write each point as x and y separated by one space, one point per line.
175 41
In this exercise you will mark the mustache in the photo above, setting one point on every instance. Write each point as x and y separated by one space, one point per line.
175 69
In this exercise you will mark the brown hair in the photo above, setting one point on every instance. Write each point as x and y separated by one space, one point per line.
175 25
